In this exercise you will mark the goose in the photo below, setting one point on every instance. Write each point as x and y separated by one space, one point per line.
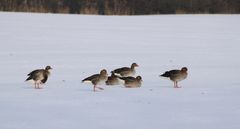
132 82
39 76
114 80
126 71
176 75
97 79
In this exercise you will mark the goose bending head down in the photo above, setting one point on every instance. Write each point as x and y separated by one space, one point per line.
39 76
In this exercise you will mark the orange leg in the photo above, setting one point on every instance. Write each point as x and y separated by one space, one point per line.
94 88
35 85
38 86
175 84
41 84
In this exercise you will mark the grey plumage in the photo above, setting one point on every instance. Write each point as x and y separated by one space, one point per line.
39 76
176 75
126 71
97 79
113 80
132 82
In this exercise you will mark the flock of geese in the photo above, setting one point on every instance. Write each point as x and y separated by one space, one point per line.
124 75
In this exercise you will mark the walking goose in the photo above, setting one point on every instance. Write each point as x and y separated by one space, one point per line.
97 79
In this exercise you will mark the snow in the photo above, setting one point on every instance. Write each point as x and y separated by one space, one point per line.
77 46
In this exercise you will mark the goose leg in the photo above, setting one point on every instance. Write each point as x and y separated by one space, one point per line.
177 85
94 88
39 85
35 85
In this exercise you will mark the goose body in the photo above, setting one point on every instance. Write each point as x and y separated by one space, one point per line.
132 82
39 76
176 75
126 71
114 80
97 79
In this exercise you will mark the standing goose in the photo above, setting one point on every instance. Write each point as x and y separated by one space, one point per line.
126 71
132 82
114 80
39 76
176 75
97 79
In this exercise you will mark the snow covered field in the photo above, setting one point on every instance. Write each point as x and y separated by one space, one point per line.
77 46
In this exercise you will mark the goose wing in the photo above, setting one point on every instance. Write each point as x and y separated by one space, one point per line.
121 70
170 73
91 78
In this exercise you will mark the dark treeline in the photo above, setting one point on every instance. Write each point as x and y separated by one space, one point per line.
122 7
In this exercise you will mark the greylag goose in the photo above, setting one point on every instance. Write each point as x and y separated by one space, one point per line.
132 82
97 79
114 80
39 76
126 71
176 75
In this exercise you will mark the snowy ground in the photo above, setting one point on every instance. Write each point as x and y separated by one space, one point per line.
77 46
